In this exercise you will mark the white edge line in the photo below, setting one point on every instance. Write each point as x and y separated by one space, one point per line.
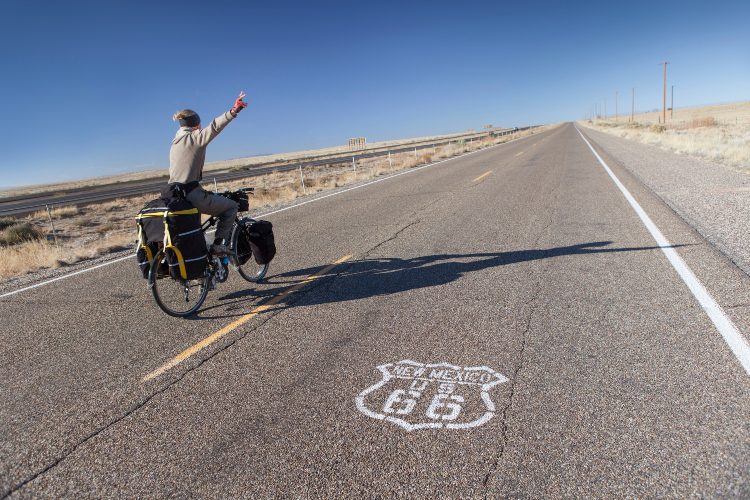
7 294
721 321
65 276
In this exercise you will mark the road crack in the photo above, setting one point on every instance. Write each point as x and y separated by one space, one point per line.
133 409
532 302
391 238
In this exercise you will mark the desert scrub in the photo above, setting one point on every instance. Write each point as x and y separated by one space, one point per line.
6 223
718 133
106 227
64 212
708 121
85 221
19 232
659 129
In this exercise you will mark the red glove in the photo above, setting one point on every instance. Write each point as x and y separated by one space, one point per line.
239 104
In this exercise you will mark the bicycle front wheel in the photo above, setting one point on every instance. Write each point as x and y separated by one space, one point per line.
176 297
242 258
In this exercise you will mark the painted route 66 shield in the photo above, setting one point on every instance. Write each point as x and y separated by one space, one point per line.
431 396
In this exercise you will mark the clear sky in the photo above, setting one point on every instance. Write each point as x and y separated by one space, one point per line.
89 88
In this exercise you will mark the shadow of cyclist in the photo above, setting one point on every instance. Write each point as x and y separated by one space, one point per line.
365 278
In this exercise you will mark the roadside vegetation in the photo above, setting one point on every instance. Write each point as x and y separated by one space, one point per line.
718 133
28 243
234 164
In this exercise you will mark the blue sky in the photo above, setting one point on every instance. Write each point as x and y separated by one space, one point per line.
88 88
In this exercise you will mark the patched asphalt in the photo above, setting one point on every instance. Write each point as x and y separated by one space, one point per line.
618 383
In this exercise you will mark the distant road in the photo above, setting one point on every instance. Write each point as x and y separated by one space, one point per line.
18 205
502 324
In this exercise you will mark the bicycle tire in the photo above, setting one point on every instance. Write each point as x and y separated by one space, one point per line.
249 270
164 286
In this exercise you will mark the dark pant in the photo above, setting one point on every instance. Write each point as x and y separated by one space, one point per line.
213 204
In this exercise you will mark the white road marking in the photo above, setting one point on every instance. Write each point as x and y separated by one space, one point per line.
7 294
721 321
66 276
458 396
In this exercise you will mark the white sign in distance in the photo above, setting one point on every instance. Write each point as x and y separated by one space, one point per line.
416 396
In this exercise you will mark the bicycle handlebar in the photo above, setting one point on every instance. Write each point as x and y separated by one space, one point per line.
235 195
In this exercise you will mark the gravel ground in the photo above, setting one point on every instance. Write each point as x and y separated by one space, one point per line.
713 198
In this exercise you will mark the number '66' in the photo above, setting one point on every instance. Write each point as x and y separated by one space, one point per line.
442 406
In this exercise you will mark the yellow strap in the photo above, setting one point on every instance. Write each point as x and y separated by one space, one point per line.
167 213
142 244
167 236
184 212
149 253
180 261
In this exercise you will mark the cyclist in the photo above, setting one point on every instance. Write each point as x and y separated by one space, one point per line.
186 159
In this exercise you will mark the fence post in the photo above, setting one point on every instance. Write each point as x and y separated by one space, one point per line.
415 152
354 166
390 162
302 179
215 188
54 233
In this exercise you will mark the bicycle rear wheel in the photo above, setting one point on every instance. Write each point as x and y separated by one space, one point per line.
242 258
179 298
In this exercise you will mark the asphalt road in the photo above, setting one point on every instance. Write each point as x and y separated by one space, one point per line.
572 360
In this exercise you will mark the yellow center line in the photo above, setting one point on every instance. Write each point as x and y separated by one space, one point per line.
519 154
238 322
482 176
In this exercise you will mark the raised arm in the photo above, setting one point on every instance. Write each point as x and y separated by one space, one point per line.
207 134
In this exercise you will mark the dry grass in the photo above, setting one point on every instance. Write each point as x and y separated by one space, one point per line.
96 229
58 213
718 133
736 113
708 121
29 256
40 254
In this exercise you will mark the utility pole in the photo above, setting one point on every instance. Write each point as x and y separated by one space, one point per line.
671 115
632 104
615 106
664 113
605 109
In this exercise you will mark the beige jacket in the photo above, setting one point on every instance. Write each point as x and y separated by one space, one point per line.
188 153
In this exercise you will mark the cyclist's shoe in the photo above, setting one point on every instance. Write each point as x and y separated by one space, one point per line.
219 249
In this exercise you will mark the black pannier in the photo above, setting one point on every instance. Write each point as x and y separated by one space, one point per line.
184 242
150 221
242 248
262 242
145 255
